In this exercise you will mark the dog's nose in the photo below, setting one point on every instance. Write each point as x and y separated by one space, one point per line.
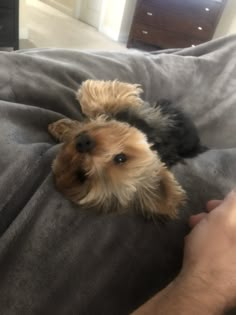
84 143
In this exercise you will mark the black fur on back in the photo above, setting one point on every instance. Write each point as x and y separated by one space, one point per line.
173 133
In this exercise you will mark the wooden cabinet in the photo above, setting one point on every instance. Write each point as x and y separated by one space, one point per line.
174 23
9 23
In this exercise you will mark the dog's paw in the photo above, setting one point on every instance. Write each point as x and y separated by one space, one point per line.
62 129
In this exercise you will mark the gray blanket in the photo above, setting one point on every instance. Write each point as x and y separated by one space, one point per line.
57 259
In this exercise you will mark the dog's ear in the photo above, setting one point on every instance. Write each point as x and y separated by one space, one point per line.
107 97
165 197
171 196
65 129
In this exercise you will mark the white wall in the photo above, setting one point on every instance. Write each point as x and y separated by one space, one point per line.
23 29
127 20
116 18
227 23
111 18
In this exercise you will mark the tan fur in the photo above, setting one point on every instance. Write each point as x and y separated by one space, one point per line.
64 129
105 97
142 183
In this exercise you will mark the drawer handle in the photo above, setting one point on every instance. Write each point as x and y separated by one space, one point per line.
200 28
145 32
149 13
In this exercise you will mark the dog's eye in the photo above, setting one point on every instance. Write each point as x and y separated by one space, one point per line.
120 158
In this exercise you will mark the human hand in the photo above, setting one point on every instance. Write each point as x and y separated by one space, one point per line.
210 253
207 282
211 205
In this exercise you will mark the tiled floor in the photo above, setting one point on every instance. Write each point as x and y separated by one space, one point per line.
49 27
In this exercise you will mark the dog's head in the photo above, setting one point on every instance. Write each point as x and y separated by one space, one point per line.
109 165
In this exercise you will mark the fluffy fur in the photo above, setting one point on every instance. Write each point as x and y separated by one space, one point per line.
172 133
94 179
117 158
106 97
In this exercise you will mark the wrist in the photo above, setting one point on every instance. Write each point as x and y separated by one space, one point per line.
188 294
201 290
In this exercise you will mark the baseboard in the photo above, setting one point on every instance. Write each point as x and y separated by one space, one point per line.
123 38
59 6
24 33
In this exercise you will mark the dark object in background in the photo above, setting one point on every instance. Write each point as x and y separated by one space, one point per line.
9 24
174 24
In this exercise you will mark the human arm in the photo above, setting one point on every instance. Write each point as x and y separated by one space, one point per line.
207 281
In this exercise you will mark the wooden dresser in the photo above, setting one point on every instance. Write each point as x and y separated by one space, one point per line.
9 24
174 23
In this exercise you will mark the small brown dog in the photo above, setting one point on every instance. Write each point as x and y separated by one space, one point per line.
108 164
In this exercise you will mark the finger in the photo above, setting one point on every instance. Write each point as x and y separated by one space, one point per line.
195 219
225 213
229 203
212 204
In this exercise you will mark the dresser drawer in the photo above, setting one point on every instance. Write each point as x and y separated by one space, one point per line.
209 10
7 3
7 25
182 4
203 9
161 38
173 22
